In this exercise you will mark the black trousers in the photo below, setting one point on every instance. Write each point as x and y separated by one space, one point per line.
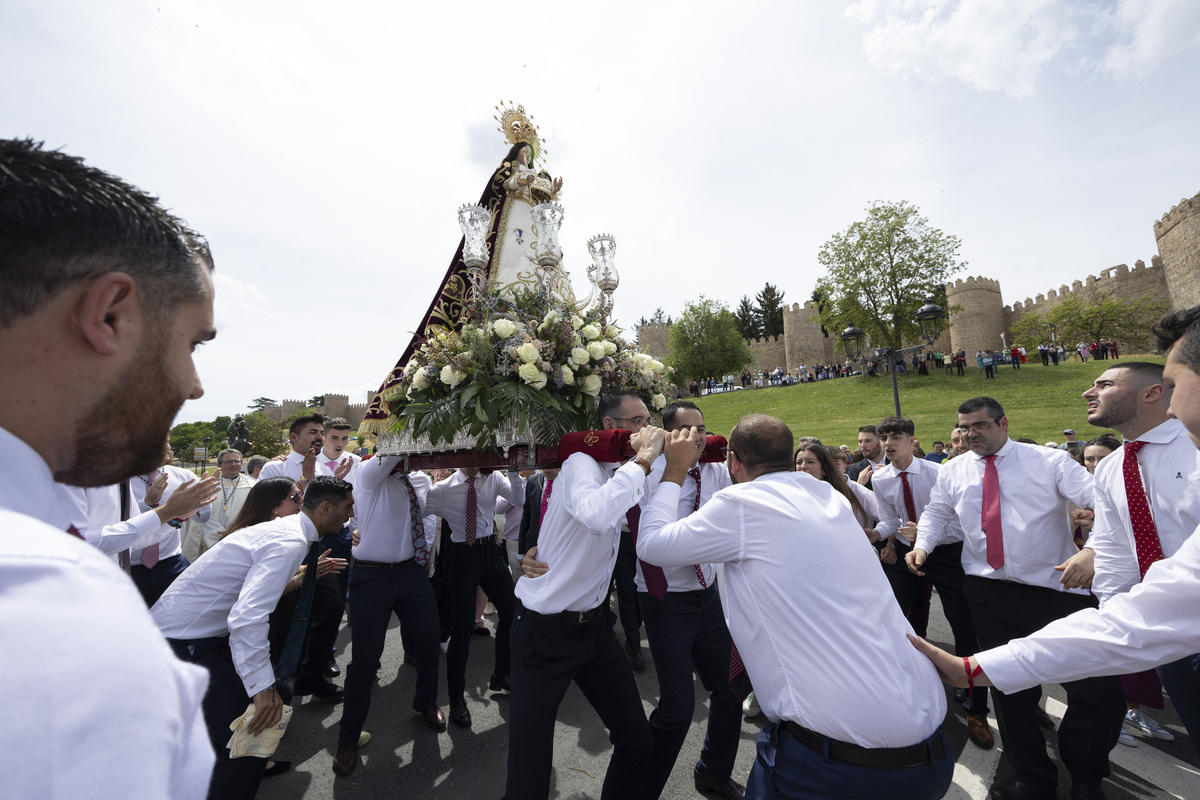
548 653
225 701
686 631
944 569
153 583
485 564
624 572
1004 610
377 593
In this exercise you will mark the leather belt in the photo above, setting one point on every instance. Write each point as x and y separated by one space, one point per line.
881 758
570 616
379 564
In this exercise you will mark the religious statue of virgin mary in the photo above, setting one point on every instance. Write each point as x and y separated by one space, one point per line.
514 188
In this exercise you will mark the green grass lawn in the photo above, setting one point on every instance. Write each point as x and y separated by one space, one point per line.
1038 401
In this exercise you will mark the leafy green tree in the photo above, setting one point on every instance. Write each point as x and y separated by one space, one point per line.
1091 318
747 319
770 310
881 269
188 435
259 403
705 342
316 401
267 437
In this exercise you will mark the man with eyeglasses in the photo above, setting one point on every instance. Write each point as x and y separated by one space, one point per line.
563 631
1010 502
228 504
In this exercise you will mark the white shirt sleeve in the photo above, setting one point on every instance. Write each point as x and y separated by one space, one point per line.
598 504
248 619
939 519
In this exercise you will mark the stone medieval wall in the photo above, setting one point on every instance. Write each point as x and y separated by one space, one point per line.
980 320
1178 237
336 405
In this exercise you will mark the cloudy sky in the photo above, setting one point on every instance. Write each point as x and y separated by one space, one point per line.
324 148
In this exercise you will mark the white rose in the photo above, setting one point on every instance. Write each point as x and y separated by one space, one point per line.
659 402
576 322
550 318
410 368
656 365
504 328
418 380
579 356
528 353
641 359
532 375
609 348
595 350
568 377
590 332
648 374
451 377
591 384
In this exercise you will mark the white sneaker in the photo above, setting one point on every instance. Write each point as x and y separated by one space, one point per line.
445 646
1142 721
750 706
1126 738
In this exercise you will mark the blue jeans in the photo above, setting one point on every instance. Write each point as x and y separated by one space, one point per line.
786 768
1181 679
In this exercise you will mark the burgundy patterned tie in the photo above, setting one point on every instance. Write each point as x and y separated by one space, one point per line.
150 554
694 473
1145 532
545 499
472 510
739 681
420 545
656 579
74 532
993 531
909 505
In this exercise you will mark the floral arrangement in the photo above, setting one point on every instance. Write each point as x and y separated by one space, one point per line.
535 357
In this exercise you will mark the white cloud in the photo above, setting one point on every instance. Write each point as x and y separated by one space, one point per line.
1012 46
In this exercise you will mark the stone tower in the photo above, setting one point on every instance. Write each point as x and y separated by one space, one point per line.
1178 236
804 341
981 317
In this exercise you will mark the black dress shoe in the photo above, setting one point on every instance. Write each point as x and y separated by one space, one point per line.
723 788
332 670
498 684
1044 719
319 688
1083 791
459 714
482 631
345 760
277 768
1017 789
637 660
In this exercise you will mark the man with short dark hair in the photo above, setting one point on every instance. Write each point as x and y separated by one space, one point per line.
685 629
216 615
872 455
563 629
103 297
796 571
939 453
902 489
1008 502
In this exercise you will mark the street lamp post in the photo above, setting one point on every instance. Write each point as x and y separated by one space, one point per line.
1053 334
929 317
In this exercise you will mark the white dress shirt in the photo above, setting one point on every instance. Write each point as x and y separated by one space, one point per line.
1167 464
1153 623
889 492
1036 484
448 500
292 467
232 590
512 513
809 609
713 478
103 676
355 460
168 538
580 534
869 502
96 514
382 505
225 508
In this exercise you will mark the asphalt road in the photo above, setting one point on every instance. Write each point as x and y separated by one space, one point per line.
407 759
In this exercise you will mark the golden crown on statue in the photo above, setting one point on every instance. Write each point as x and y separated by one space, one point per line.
517 126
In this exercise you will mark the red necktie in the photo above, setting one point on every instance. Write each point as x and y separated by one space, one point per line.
1145 534
739 682
472 510
694 473
993 531
545 499
909 505
150 554
74 532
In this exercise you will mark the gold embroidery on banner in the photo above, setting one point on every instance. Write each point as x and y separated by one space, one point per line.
591 438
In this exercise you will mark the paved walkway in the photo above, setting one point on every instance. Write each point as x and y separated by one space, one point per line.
407 759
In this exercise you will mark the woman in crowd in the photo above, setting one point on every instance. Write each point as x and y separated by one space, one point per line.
816 461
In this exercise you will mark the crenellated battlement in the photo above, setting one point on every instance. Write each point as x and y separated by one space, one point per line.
974 282
1184 210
